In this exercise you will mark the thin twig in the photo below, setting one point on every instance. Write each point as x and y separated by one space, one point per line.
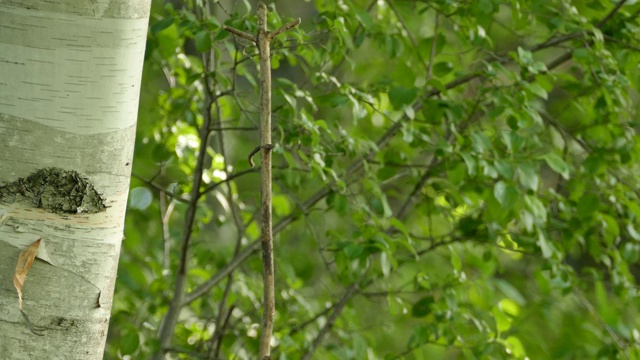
160 189
240 33
622 43
301 326
228 179
252 153
417 188
289 25
222 330
216 340
613 11
337 310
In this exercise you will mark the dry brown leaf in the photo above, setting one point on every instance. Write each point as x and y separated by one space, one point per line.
25 260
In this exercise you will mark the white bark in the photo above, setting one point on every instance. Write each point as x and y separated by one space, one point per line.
70 74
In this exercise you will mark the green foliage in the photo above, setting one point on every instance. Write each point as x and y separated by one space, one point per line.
452 179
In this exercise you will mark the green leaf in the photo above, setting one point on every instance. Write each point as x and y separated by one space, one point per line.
556 138
545 245
558 165
587 205
506 194
161 25
203 41
275 62
381 206
486 7
281 205
481 141
422 307
635 235
503 322
129 341
469 225
385 264
527 220
456 262
596 5
581 54
511 305
426 44
338 202
537 67
168 40
593 164
495 210
442 68
528 177
318 158
437 84
364 18
610 227
525 56
400 226
400 96
132 276
514 141
536 208
457 174
160 153
420 335
338 100
504 169
471 163
353 250
536 90
516 348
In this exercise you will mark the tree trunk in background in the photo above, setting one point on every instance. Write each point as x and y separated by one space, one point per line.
70 74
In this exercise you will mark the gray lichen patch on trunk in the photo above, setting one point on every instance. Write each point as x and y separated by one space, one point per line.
54 190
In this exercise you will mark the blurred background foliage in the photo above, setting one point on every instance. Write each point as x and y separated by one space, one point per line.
453 179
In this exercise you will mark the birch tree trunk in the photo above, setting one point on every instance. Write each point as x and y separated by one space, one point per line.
70 74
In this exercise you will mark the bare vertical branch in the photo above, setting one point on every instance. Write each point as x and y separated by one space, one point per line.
263 40
269 299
